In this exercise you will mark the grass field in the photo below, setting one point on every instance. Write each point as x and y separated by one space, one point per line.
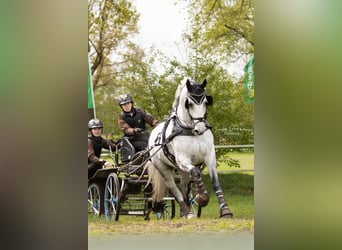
238 187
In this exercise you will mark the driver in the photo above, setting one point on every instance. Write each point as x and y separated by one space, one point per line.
95 144
132 121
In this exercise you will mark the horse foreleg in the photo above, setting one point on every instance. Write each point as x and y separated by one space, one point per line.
202 196
224 209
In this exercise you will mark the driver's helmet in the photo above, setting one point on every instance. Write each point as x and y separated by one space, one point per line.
124 98
95 123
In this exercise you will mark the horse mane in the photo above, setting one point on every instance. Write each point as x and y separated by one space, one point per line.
179 91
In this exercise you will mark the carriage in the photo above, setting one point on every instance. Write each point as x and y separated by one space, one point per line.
124 189
168 170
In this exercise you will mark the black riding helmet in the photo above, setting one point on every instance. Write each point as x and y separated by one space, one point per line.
94 123
125 98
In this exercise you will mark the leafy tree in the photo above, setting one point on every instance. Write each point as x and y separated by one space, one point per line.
222 31
110 24
152 78
117 64
222 28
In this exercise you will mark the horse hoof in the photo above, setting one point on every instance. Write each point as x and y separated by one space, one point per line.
227 216
202 199
226 213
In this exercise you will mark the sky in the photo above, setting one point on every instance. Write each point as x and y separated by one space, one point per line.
161 24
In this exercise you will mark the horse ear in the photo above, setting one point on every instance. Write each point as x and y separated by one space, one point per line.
204 83
210 100
188 85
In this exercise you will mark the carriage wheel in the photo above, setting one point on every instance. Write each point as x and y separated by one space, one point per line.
111 199
169 208
166 209
194 207
95 200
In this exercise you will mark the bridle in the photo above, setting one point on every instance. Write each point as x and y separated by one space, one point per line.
198 96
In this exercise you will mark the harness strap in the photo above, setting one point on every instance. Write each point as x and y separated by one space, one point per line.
166 150
183 130
188 130
178 129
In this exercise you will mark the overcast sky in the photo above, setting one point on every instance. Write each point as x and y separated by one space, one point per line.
161 24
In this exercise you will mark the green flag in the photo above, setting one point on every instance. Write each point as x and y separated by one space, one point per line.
91 102
90 91
249 81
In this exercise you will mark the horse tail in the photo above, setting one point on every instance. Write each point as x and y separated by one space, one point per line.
158 185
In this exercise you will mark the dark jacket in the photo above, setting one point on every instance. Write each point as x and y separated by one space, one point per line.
95 145
137 118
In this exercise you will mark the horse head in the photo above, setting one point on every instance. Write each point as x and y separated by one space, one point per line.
194 102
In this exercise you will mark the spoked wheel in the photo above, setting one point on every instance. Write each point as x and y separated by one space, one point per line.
165 209
194 207
95 200
111 199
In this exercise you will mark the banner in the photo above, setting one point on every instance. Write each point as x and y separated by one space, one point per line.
249 81
91 102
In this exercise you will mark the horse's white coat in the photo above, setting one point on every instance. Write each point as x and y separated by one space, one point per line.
189 151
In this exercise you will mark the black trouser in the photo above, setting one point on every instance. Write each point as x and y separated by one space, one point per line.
92 167
139 145
140 141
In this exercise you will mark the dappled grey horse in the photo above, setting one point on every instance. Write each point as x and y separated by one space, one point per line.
187 143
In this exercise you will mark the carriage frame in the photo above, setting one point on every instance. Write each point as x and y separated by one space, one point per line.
124 190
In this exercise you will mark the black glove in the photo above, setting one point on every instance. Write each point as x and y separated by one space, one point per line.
138 130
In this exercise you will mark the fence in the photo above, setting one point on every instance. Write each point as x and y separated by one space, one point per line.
235 146
105 151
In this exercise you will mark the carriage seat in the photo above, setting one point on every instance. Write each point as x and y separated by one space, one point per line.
127 150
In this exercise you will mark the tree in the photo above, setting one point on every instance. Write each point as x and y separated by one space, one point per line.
110 24
224 28
117 64
120 66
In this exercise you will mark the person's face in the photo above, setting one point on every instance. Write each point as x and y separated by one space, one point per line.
127 107
96 131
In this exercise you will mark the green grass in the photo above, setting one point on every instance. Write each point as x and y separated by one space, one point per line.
238 188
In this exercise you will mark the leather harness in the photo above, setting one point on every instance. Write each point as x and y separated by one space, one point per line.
177 129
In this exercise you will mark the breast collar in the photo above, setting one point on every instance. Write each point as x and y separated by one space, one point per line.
177 129
180 129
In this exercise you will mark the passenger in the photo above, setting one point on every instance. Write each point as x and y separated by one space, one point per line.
132 121
95 144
